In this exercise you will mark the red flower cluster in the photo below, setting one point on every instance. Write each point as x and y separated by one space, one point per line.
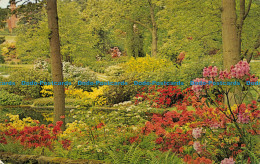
34 136
164 96
170 140
198 160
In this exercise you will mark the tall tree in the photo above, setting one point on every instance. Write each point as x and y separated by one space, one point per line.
230 39
56 64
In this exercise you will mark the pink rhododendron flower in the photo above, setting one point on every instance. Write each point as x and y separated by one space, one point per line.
252 78
228 161
240 69
198 88
197 146
210 71
196 133
243 118
224 74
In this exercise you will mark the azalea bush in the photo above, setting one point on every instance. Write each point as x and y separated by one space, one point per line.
29 132
164 96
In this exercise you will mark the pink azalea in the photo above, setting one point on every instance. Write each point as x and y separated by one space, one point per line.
198 88
228 161
196 133
243 118
197 146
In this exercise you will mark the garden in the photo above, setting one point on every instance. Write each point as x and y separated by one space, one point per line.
143 82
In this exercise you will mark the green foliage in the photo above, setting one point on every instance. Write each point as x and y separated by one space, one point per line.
3 17
27 75
2 39
7 98
48 101
136 155
43 102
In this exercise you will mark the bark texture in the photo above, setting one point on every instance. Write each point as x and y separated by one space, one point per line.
56 62
154 29
231 54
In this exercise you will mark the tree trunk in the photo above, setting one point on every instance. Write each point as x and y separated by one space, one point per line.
56 63
231 52
154 29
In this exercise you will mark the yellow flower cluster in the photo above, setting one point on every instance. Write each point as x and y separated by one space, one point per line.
146 64
48 116
95 96
233 109
73 130
47 91
16 123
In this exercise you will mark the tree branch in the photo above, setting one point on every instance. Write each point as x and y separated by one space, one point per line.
248 9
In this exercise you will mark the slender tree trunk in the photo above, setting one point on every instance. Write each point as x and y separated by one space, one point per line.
154 29
231 54
56 64
230 39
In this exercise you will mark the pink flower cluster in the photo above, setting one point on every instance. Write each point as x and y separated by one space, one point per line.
196 133
228 161
198 88
243 118
198 147
214 125
224 75
210 71
240 69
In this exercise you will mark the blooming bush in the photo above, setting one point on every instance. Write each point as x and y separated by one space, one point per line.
29 133
145 64
164 96
96 96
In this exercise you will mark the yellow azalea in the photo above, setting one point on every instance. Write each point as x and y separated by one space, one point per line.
16 123
47 91
73 130
233 108
145 64
95 96
48 116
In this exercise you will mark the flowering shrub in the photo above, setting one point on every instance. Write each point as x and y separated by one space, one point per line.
164 96
96 96
145 64
47 91
29 133
9 50
207 134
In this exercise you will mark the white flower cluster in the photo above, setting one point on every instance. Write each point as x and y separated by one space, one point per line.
41 65
123 103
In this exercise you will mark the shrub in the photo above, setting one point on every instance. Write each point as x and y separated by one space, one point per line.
20 75
7 98
43 102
